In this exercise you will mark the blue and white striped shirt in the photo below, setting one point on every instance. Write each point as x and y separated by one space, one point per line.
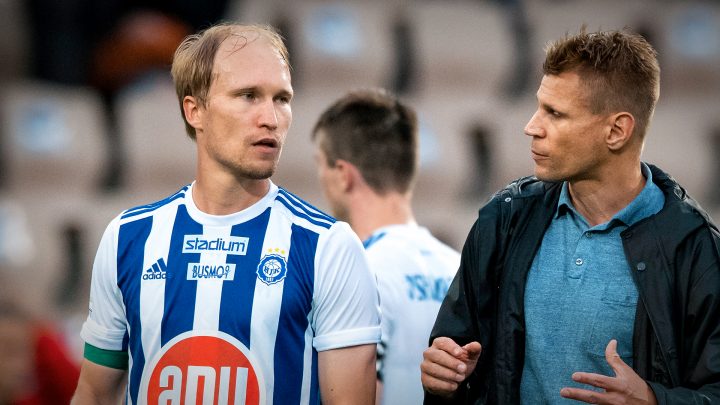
233 308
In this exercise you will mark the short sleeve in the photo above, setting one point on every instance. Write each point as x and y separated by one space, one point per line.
346 303
105 327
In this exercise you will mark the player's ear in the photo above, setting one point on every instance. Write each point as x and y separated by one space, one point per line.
191 109
347 174
621 130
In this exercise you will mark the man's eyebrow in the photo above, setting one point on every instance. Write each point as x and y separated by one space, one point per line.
247 89
286 93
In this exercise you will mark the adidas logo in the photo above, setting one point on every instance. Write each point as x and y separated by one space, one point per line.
157 271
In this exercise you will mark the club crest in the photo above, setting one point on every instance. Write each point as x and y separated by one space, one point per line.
272 269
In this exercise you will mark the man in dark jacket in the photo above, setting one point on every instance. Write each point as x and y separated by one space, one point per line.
598 279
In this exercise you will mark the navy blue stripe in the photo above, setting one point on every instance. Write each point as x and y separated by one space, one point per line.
373 239
314 380
126 341
153 206
294 310
237 295
157 203
131 253
180 293
306 207
300 207
172 196
300 214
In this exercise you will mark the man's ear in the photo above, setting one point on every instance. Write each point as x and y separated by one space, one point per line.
347 175
621 130
191 109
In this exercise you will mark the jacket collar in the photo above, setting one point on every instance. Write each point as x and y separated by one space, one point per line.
680 213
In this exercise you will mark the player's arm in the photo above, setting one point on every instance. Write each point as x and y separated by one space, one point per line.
99 384
104 368
346 319
347 375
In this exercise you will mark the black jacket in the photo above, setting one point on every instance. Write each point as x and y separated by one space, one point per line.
674 257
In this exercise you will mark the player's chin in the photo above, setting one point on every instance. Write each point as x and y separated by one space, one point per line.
544 174
259 172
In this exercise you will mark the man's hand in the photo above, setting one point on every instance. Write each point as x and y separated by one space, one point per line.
445 365
625 388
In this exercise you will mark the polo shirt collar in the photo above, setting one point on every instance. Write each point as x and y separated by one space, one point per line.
648 202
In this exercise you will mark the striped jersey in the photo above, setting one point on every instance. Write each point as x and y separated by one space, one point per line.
229 309
414 271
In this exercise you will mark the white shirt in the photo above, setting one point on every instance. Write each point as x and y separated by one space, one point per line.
414 271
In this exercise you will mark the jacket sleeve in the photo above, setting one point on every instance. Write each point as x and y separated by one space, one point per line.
699 337
467 312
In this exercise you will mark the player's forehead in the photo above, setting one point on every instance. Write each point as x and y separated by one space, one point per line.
251 62
247 42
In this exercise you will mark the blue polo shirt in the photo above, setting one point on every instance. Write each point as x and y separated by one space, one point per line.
579 295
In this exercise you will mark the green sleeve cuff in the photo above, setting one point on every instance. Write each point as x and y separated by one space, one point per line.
107 358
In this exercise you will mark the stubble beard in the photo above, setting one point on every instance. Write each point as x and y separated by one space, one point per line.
256 173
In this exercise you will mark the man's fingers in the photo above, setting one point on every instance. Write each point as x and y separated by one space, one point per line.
448 345
433 355
473 350
613 358
587 396
441 372
596 380
438 386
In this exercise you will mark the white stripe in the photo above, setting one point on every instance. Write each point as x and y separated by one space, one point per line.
307 363
304 211
307 207
300 221
128 399
152 292
209 291
267 300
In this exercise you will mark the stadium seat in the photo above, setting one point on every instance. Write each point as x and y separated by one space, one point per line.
553 19
160 155
335 44
679 140
462 46
37 250
689 47
53 138
341 44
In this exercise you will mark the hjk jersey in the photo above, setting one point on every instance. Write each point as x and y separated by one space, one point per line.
229 309
414 271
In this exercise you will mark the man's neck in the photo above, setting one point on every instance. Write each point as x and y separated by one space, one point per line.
598 200
224 195
372 211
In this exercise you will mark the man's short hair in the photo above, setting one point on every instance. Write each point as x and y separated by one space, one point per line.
619 68
192 67
377 133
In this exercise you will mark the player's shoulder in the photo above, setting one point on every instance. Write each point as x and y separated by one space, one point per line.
147 210
404 236
303 214
407 241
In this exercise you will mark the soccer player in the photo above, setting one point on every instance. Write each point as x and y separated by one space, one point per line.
597 280
366 153
232 290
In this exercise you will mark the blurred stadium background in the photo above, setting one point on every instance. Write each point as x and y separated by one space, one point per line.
89 123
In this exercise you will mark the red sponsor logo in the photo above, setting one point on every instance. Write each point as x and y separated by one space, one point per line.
208 370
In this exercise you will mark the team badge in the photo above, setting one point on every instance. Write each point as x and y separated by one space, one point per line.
272 269
203 368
